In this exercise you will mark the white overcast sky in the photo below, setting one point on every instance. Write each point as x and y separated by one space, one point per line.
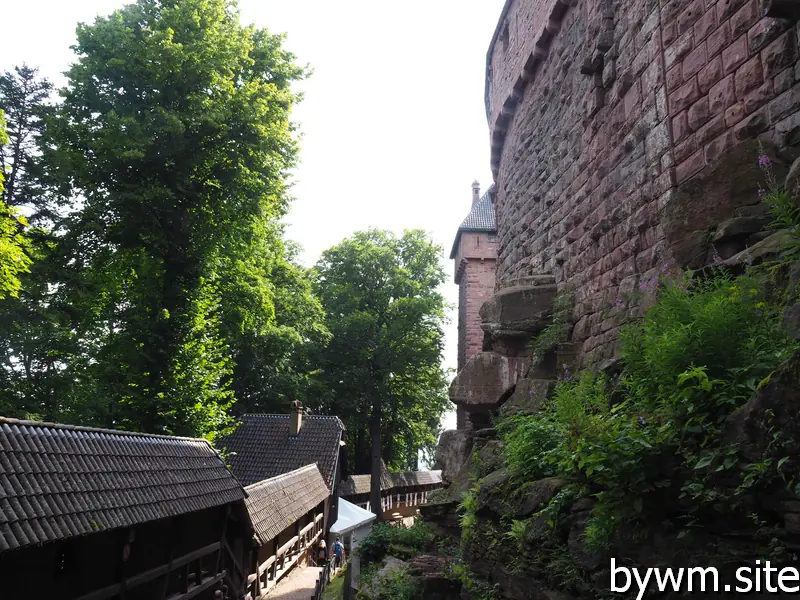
393 123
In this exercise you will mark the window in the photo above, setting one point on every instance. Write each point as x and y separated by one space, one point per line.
492 237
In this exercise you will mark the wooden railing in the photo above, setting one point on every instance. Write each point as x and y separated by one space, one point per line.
271 570
328 572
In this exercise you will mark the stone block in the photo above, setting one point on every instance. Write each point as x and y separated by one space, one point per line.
758 97
739 226
748 77
698 114
694 61
710 74
764 32
734 114
521 309
778 55
486 380
734 55
705 25
718 39
722 95
684 96
690 166
744 18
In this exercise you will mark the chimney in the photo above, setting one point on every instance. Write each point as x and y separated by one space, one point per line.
476 192
295 418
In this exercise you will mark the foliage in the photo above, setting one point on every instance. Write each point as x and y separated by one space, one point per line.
13 243
389 540
783 207
170 150
397 584
386 315
697 354
558 329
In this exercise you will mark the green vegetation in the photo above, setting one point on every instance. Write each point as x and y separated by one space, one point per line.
335 588
381 372
648 446
394 585
389 540
152 288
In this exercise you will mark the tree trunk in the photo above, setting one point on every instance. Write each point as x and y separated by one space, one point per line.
375 430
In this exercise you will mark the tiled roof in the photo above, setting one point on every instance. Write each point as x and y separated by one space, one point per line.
482 217
414 478
59 481
276 503
360 484
263 447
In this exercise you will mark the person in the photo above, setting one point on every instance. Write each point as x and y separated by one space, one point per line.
322 555
338 553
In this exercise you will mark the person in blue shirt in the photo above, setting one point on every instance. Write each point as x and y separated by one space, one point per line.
338 552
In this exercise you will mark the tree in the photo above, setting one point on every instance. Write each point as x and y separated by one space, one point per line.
14 259
382 369
25 98
174 135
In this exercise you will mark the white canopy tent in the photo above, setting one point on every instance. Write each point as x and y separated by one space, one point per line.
353 525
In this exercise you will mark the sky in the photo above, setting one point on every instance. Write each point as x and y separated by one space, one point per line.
393 123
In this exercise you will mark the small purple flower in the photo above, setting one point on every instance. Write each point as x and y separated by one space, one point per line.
620 303
643 286
653 283
764 162
665 268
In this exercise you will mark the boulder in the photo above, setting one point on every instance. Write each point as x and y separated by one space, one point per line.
791 321
739 227
771 408
528 396
793 178
452 451
486 380
770 246
711 197
496 496
433 576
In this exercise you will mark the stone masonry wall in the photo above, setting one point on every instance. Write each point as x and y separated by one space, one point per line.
475 275
605 115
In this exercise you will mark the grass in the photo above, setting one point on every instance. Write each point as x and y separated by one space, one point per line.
335 589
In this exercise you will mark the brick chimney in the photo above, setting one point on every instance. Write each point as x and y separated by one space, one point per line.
296 418
476 192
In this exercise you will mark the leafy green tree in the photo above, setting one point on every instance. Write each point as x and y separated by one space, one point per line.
14 259
381 372
174 132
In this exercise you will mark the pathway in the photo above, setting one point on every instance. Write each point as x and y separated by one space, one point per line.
297 585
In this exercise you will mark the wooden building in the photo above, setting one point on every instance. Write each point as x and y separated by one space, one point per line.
401 492
288 517
91 514
265 446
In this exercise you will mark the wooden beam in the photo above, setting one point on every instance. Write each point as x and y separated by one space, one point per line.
147 576
198 589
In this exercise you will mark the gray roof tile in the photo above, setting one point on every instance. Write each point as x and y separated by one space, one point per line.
263 447
482 217
60 481
276 503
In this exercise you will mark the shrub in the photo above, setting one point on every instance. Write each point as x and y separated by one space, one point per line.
385 539
697 354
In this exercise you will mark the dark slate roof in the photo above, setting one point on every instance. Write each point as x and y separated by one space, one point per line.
60 481
482 217
276 503
360 484
263 447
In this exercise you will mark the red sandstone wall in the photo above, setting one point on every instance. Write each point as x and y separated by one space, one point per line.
585 164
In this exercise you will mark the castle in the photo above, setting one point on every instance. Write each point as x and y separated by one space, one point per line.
624 142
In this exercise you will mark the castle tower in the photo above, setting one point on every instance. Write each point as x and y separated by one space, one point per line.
475 254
